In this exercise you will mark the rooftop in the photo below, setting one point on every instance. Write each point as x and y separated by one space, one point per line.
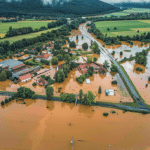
11 63
25 76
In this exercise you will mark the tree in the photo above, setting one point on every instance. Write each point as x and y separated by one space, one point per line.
59 76
114 68
34 84
91 97
90 71
77 37
66 69
2 51
81 95
24 92
60 57
95 59
67 58
108 29
49 92
89 58
72 44
8 73
3 76
106 64
85 46
140 59
54 60
121 53
33 96
99 90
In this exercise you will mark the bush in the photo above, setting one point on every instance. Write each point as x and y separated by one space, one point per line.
34 84
121 53
33 96
35 73
105 114
148 78
114 82
2 103
59 89
11 78
6 101
139 69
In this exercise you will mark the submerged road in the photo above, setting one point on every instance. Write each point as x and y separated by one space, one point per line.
84 32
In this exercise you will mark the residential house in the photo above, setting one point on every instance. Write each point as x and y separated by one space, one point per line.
42 82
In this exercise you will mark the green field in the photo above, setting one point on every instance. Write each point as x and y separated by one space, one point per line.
4 27
26 36
127 12
124 28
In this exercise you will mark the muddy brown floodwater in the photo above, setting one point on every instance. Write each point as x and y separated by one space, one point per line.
140 79
32 126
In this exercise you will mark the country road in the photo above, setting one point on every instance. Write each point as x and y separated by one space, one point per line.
84 32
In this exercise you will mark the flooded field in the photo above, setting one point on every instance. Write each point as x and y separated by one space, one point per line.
35 127
140 79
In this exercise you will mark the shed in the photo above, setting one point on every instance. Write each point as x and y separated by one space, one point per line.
110 92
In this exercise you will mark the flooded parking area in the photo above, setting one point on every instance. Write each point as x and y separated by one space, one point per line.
34 126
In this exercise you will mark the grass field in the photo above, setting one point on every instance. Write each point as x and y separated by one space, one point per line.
26 36
123 27
128 11
4 27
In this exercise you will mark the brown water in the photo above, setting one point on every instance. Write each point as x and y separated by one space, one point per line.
139 78
34 127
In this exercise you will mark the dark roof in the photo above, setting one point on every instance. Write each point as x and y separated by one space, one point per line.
16 67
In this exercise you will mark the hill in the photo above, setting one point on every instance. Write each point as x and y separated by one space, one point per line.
75 7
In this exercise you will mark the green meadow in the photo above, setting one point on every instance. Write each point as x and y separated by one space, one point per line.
26 36
128 12
4 27
124 28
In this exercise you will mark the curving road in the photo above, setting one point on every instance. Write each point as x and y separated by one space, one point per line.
108 55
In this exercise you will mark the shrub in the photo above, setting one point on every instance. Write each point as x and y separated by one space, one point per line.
33 96
148 78
139 69
114 82
59 89
121 53
35 73
11 78
113 53
34 84
6 101
105 114
2 103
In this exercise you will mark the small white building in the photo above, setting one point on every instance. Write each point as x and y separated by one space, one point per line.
110 92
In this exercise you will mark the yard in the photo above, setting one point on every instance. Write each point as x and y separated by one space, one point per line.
124 28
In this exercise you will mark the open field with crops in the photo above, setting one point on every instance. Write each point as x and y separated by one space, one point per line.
4 27
124 28
26 36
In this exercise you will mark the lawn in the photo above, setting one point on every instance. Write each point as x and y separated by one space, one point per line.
4 27
26 36
124 28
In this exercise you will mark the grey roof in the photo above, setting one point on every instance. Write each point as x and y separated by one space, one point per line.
11 63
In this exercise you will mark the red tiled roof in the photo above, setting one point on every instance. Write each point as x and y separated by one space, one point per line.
46 56
84 71
16 67
42 82
94 65
22 53
39 56
82 66
25 76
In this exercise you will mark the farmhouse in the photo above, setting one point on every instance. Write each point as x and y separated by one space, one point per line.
25 78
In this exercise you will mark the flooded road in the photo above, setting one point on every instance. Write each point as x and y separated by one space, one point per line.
35 127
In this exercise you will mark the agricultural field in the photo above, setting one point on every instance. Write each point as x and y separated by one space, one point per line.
126 12
26 36
124 28
4 27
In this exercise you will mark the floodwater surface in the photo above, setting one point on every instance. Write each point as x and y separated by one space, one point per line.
33 126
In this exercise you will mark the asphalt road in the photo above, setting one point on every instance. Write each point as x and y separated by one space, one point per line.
138 100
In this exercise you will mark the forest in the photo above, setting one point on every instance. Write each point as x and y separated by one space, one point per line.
73 7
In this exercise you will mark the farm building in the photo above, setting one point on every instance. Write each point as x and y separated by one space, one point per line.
25 78
13 65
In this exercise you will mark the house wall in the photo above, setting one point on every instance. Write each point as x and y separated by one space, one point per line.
26 80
